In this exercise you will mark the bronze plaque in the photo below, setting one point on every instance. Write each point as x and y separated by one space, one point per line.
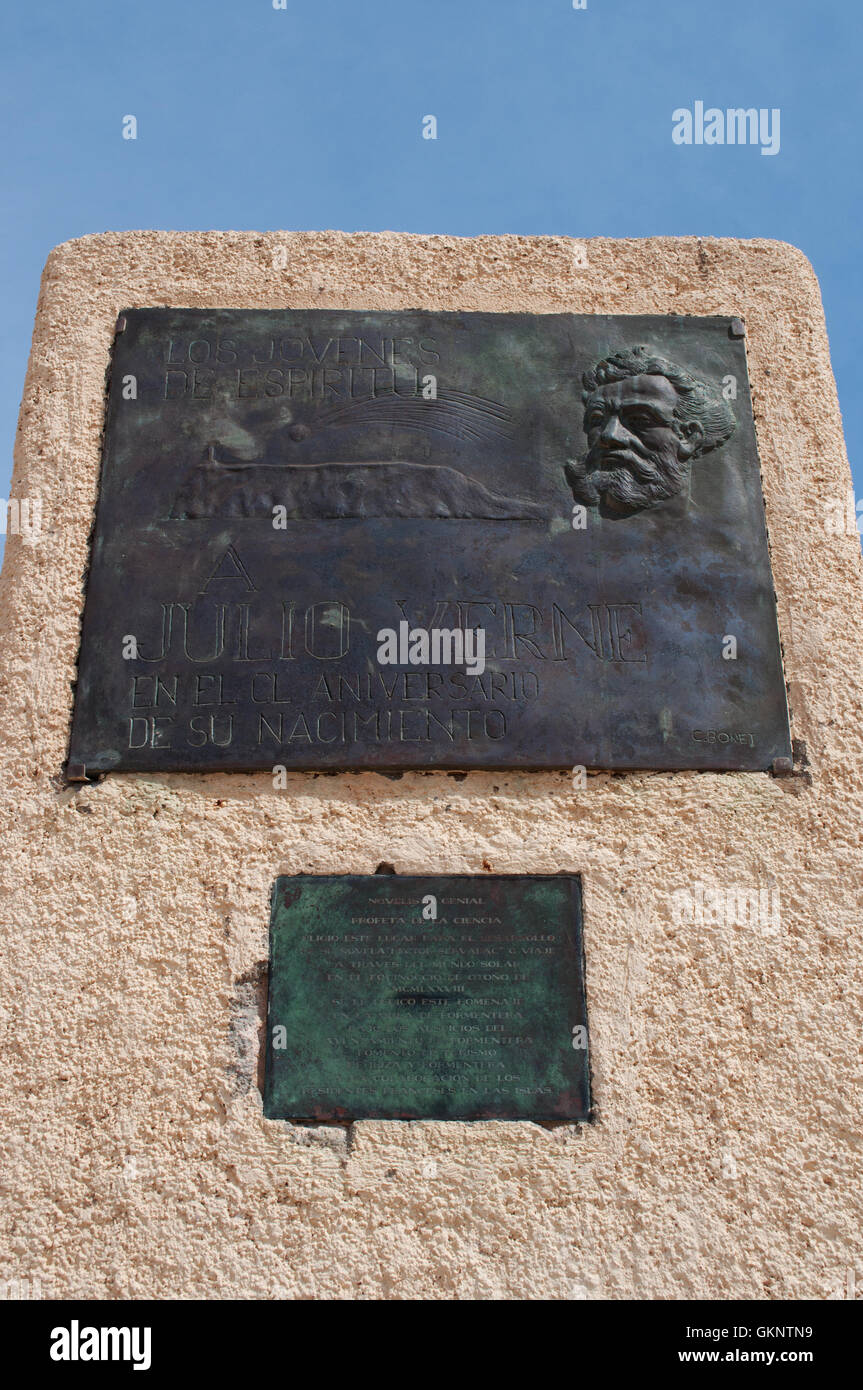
338 539
445 997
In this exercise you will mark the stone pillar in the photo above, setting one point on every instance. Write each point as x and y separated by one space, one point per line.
135 908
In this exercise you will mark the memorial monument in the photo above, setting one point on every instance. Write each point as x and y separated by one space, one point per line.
431 739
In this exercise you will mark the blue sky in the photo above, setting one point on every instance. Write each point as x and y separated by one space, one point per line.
551 121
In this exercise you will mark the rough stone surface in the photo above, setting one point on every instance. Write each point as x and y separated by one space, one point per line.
723 1162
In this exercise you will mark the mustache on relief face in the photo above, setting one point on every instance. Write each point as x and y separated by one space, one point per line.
625 478
645 465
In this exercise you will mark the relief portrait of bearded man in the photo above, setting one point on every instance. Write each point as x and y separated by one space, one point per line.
646 421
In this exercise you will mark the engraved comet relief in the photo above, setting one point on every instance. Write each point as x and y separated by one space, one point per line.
335 488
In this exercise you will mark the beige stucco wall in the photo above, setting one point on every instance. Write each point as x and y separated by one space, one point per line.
136 1161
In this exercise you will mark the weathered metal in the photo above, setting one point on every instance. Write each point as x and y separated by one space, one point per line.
441 997
280 487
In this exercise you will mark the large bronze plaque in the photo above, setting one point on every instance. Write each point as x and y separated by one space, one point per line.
303 514
457 997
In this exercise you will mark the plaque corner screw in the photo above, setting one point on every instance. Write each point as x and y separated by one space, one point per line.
120 325
737 329
76 772
782 767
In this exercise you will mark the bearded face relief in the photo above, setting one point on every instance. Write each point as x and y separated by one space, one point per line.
646 419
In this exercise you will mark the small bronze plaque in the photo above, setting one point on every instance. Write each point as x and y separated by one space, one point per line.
446 997
343 539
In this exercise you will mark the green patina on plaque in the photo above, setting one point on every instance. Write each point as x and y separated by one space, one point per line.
435 997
